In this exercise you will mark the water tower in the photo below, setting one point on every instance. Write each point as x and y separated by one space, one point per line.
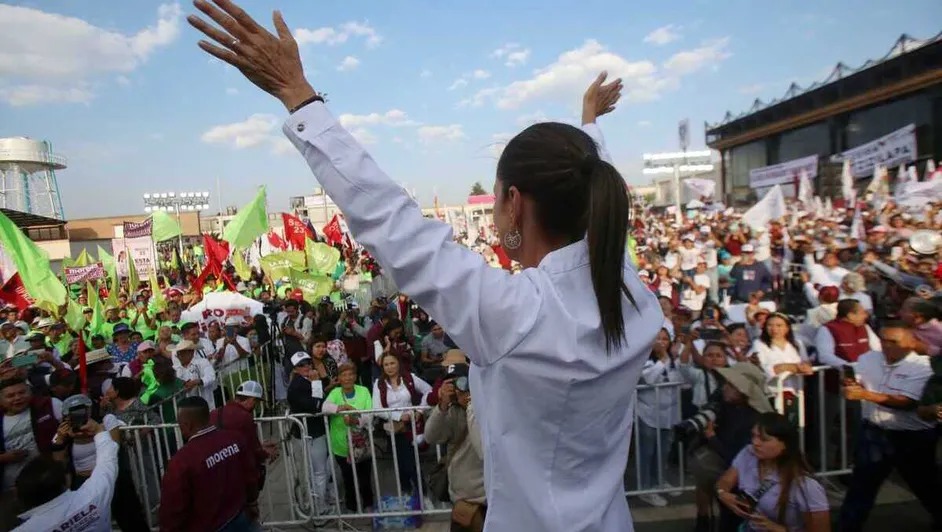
28 177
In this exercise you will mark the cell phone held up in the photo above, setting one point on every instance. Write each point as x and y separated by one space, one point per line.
78 417
848 374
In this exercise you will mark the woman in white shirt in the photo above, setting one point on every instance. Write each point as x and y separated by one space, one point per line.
395 390
548 345
778 351
658 412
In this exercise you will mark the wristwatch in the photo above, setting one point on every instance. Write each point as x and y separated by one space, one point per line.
316 98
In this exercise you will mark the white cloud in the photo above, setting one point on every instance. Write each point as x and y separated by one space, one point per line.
253 131
710 53
498 142
426 73
363 136
22 95
123 81
478 99
567 77
393 117
435 133
532 118
349 63
480 74
457 84
51 57
333 36
512 54
232 91
663 35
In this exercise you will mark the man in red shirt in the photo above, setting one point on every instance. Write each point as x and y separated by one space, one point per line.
211 483
237 416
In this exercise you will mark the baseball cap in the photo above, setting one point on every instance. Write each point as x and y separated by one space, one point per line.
251 389
748 248
299 358
296 294
145 345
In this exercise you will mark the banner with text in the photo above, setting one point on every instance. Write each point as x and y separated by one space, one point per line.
894 149
783 173
219 306
138 229
141 249
81 274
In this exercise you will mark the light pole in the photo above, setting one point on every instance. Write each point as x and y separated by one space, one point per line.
682 163
173 202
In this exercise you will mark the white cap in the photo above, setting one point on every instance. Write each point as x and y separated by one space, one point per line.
251 389
689 237
234 321
704 229
748 248
299 357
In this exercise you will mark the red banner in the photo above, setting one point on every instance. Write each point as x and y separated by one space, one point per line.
276 241
296 231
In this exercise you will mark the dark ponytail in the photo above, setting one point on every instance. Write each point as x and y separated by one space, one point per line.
609 215
577 196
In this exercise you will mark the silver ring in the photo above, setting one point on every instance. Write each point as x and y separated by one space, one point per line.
234 42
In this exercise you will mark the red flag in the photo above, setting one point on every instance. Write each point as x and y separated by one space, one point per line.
276 241
14 293
216 250
83 369
296 231
501 256
333 231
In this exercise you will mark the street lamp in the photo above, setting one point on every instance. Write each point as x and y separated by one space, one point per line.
173 202
679 163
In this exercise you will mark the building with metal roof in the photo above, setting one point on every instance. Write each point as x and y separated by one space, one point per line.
886 111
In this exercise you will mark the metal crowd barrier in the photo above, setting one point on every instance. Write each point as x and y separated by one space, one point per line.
289 498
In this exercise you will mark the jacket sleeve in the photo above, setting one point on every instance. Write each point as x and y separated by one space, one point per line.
419 254
438 427
175 497
301 398
474 432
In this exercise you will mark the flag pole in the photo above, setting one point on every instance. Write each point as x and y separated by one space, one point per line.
83 368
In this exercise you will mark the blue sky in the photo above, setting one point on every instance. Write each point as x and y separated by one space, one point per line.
431 87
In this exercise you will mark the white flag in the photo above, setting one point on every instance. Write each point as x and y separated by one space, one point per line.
771 207
701 187
805 191
847 184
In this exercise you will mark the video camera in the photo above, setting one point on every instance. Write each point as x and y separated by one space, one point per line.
694 426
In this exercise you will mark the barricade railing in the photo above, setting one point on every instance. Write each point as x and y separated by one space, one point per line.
304 483
828 407
259 366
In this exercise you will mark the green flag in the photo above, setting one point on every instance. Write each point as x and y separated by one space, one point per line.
279 265
250 223
241 268
321 258
98 312
108 262
32 264
134 279
312 286
164 227
84 259
74 317
158 303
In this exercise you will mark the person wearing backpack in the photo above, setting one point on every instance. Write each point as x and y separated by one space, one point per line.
402 390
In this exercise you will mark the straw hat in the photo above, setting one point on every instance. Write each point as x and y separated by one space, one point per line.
750 381
97 355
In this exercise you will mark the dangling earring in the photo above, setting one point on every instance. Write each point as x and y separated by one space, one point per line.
512 239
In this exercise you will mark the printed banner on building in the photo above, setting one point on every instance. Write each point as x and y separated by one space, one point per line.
138 229
141 249
899 147
783 173
81 274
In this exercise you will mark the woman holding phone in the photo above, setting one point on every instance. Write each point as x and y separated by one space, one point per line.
548 345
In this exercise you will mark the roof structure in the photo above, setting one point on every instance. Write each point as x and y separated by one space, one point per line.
25 220
903 46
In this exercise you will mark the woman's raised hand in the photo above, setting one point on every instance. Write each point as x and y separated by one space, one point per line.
271 62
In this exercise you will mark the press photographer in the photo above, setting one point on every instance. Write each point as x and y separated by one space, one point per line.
453 423
720 429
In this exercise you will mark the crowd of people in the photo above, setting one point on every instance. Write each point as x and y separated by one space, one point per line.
729 318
